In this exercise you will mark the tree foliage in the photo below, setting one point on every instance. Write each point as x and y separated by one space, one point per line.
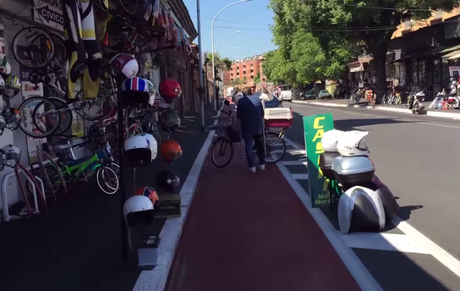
344 26
227 63
301 57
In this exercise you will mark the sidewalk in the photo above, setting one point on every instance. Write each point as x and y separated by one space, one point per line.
401 108
251 232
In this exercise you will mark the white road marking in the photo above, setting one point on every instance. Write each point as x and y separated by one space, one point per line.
300 176
295 163
436 251
414 235
354 265
440 125
384 242
296 151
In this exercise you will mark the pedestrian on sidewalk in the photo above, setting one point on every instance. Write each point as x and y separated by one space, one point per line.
250 112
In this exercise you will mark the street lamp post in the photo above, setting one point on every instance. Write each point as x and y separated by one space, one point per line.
215 48
213 52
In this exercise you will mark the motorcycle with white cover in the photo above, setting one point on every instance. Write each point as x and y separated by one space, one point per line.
346 160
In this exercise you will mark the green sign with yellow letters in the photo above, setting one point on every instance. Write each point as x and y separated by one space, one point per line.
314 127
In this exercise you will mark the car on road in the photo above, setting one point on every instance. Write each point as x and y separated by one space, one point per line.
311 94
286 93
324 94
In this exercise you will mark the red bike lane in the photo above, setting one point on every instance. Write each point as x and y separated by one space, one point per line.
247 231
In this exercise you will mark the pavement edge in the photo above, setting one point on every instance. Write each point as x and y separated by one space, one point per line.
354 265
155 280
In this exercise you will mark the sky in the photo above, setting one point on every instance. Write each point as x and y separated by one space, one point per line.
252 19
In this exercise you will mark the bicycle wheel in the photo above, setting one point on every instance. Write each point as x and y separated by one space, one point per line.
222 146
65 114
33 122
107 180
33 48
95 110
275 146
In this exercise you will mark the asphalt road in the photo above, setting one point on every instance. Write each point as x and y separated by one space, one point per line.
416 156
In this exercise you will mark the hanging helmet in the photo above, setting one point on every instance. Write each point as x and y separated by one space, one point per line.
453 91
170 121
137 151
2 124
170 89
5 67
168 181
13 153
148 192
352 143
153 144
170 150
2 159
329 140
136 91
12 86
125 64
2 84
138 208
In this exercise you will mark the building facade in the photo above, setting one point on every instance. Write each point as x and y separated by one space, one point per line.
245 71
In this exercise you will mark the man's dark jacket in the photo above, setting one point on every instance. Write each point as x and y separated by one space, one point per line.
250 112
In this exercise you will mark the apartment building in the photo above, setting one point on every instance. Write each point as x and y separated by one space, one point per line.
245 71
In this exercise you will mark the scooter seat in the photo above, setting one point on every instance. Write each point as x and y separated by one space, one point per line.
450 100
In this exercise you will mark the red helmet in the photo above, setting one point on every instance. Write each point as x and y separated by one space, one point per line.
170 150
170 89
148 192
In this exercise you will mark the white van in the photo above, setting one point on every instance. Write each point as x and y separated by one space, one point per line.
286 93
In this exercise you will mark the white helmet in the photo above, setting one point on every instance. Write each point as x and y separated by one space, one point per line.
153 145
138 150
125 64
136 204
329 140
352 143
13 153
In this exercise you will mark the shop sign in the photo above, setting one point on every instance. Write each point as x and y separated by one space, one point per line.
314 127
49 13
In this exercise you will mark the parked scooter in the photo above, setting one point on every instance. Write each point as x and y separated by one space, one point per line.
365 204
416 98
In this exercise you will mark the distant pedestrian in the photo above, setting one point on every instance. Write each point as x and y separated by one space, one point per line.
250 112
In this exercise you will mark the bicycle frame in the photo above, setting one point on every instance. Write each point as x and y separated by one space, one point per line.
76 170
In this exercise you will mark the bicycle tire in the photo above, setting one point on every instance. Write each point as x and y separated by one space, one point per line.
222 141
22 62
30 132
108 111
65 120
112 189
283 143
66 117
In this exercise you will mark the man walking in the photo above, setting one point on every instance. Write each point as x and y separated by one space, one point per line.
250 112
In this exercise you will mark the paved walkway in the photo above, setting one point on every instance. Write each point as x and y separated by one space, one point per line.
248 231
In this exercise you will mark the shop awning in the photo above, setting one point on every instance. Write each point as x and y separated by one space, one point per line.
444 52
354 67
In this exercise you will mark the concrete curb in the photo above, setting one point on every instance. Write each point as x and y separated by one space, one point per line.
155 280
455 116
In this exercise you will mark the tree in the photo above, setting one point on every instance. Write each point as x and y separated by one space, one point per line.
257 78
227 63
236 82
218 62
365 24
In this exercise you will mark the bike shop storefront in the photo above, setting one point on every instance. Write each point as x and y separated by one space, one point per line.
76 243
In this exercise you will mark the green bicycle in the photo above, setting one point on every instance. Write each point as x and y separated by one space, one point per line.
101 164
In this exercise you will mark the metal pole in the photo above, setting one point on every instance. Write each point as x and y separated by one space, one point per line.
122 192
200 62
213 52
